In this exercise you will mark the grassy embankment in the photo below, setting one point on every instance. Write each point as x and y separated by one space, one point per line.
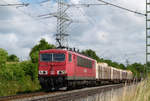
141 92
19 77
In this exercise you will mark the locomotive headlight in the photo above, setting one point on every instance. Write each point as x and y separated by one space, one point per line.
40 72
61 72
64 72
43 72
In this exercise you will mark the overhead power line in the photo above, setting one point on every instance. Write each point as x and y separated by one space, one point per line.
45 1
85 5
123 8
64 20
22 4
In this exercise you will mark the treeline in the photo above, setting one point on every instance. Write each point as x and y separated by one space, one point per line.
20 77
17 77
138 69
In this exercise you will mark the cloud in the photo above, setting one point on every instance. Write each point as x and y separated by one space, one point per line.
75 1
124 32
113 33
19 32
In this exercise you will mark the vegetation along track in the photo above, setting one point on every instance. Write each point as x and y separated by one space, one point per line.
62 95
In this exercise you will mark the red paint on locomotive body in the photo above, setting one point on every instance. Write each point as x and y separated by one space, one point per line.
62 68
70 64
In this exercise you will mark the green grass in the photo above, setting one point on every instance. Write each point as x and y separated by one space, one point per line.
141 92
20 77
12 87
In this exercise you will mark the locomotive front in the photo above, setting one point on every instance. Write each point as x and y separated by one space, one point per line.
52 68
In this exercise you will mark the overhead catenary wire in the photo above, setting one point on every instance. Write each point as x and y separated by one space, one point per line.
123 8
21 4
44 1
72 5
85 5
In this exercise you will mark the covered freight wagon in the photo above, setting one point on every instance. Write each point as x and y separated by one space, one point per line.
108 73
103 71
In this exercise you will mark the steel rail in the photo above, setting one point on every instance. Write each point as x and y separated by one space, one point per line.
27 95
69 95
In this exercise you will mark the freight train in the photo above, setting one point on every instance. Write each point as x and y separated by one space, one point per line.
63 68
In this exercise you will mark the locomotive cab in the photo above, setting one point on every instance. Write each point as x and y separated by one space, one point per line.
52 69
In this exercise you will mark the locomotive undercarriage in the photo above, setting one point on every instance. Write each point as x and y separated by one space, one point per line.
73 84
52 83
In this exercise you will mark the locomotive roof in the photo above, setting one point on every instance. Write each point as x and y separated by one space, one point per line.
103 63
51 50
62 50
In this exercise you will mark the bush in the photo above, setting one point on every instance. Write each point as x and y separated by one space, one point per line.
3 57
18 77
30 69
12 58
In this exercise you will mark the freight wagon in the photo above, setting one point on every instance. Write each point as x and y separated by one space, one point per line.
107 74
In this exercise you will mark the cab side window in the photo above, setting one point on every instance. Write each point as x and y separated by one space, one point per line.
70 57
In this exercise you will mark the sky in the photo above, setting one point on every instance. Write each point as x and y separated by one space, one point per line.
113 33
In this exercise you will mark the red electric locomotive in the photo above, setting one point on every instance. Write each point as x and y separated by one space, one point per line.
62 68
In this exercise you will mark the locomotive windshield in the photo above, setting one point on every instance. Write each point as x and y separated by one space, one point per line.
58 57
46 57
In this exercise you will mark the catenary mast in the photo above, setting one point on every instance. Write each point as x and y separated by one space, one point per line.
63 22
147 34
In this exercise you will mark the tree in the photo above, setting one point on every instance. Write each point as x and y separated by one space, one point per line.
12 58
122 66
3 57
29 69
91 53
137 69
43 45
109 62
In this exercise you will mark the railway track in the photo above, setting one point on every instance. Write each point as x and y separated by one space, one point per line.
61 95
22 96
